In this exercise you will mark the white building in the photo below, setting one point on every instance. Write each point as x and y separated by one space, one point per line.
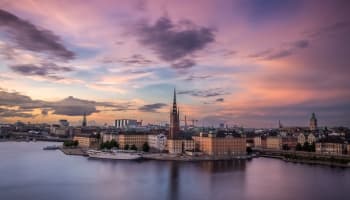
107 137
126 123
157 141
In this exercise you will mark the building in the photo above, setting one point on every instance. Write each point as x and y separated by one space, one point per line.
220 145
157 142
329 148
107 137
126 123
86 140
348 149
274 142
257 142
178 146
137 139
301 138
311 138
63 122
174 128
289 142
313 122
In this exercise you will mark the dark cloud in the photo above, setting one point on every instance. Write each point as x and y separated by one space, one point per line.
301 44
152 107
29 37
7 113
45 70
219 100
329 29
174 41
204 93
183 64
70 106
193 77
136 59
271 54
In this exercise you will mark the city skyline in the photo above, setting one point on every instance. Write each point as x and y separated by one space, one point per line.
233 62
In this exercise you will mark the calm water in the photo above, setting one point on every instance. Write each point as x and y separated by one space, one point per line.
28 172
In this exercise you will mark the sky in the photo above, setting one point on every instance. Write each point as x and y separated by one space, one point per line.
239 62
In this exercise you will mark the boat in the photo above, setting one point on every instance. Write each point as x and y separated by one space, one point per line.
115 154
53 147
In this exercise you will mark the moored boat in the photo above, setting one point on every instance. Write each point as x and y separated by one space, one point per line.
115 154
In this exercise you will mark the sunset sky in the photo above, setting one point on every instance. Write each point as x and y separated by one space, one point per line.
244 62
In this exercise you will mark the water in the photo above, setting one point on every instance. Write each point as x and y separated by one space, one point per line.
28 172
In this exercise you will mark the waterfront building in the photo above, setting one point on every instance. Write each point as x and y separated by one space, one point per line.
311 138
330 145
301 138
174 128
126 123
274 142
86 140
157 141
220 145
313 122
289 142
178 146
257 142
137 139
107 137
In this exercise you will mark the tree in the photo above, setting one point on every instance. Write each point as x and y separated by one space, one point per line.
312 147
145 147
285 147
133 147
298 147
126 147
249 150
306 146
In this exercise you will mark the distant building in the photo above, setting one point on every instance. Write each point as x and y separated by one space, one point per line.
257 142
126 123
289 142
64 122
301 138
313 122
311 138
331 145
107 137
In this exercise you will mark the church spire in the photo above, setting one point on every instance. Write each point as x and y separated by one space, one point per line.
84 120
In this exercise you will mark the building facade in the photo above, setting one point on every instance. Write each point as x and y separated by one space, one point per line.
178 146
274 142
157 142
126 123
329 148
86 140
220 146
137 139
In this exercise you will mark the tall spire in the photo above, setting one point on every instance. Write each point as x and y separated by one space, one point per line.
84 120
174 101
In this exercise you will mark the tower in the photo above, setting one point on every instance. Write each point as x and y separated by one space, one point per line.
313 122
84 120
174 119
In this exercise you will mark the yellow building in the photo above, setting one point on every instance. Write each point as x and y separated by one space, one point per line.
137 139
86 140
177 146
274 142
212 145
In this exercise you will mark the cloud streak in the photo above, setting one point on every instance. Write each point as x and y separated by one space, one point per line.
28 36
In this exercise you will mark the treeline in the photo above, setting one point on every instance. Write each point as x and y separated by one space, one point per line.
71 143
316 158
306 147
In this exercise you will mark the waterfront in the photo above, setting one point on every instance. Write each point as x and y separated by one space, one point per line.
28 172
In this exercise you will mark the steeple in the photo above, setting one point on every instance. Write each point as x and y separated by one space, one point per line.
174 119
84 120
